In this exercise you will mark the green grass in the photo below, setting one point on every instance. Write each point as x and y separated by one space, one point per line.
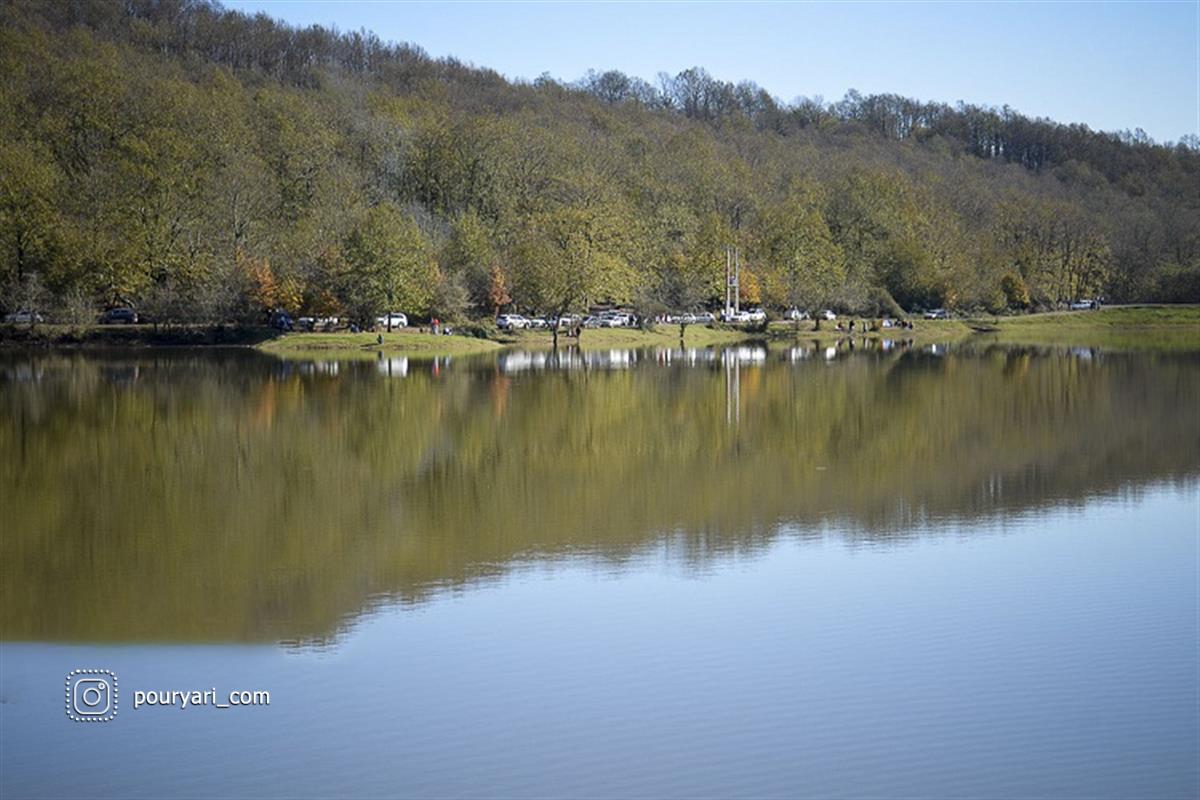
661 336
923 330
365 345
1174 328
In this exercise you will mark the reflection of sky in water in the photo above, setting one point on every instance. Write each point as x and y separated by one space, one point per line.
1048 652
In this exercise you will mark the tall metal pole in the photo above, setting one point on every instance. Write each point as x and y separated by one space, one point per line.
728 278
737 279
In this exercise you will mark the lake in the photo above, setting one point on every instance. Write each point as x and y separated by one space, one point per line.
876 571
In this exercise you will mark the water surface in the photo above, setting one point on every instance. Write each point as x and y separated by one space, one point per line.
872 572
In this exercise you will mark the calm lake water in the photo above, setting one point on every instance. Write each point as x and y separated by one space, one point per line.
876 572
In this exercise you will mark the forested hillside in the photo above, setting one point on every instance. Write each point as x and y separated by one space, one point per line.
206 165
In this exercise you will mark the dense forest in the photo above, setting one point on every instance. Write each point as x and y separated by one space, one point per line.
207 165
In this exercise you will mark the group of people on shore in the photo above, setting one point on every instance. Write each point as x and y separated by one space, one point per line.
870 326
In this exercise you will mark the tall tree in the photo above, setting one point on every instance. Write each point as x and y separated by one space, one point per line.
387 265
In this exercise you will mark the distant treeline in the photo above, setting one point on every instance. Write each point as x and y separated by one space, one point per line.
203 164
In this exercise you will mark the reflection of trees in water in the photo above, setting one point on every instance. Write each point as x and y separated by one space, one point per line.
228 496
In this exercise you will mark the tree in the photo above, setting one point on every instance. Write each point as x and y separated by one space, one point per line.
1016 293
567 260
29 219
450 300
470 257
386 265
803 264
498 296
29 294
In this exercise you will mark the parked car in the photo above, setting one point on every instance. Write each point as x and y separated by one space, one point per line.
23 318
119 316
756 315
827 315
937 313
392 320
614 319
537 323
704 317
282 321
1084 305
511 322
795 315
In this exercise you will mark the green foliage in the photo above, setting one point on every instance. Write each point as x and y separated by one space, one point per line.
1016 293
1178 284
29 224
450 300
469 256
803 264
386 265
148 151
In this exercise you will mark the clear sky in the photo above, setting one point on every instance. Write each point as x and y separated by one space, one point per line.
1111 65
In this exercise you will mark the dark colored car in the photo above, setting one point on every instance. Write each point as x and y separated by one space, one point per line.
282 321
119 316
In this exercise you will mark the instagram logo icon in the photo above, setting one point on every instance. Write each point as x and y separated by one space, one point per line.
91 695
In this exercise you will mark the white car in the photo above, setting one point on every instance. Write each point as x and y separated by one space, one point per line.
828 315
393 320
511 322
1083 305
937 313
756 315
795 314
614 319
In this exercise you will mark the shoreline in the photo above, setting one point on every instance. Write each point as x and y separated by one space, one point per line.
1170 328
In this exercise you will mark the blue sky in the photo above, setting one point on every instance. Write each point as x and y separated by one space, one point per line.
1111 65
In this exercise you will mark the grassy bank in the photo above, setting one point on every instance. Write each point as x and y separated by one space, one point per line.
413 343
366 345
923 331
606 338
1122 328
1173 328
